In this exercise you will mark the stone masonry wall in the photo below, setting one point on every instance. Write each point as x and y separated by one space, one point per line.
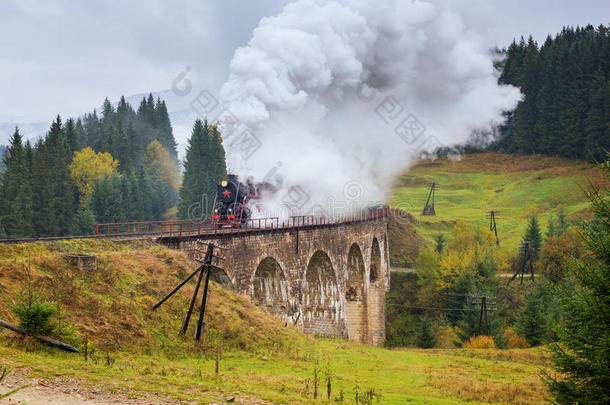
314 263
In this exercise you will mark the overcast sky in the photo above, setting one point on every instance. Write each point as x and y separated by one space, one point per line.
65 56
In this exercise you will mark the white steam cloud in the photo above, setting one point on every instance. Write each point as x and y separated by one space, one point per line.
342 95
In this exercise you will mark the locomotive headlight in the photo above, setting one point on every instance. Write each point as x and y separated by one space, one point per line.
216 211
230 209
224 183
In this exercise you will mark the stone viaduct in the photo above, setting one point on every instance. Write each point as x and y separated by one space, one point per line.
327 279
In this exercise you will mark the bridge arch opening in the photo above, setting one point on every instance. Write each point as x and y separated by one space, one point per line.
270 289
375 261
220 277
355 296
321 300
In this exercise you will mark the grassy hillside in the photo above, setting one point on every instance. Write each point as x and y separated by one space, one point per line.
112 305
517 186
139 352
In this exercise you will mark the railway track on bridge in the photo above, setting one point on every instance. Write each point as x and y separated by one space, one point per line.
207 228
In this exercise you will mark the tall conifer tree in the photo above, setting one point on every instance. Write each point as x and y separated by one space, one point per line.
16 190
195 178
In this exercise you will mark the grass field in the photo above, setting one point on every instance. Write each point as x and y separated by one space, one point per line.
517 186
139 352
394 376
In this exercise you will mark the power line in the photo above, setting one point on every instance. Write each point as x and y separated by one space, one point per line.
438 308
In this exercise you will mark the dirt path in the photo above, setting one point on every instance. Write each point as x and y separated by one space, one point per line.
40 391
70 392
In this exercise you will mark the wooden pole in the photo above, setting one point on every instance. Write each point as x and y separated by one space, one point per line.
481 315
187 317
486 325
44 339
176 289
202 309
204 299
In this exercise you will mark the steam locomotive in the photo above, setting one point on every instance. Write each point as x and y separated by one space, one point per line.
230 203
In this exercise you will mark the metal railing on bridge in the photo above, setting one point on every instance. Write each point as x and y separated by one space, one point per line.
188 227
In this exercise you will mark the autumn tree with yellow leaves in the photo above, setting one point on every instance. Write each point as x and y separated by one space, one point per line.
88 167
468 266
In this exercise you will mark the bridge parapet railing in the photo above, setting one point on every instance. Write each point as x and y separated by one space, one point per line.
190 227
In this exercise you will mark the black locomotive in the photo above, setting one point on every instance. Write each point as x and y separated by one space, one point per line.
230 204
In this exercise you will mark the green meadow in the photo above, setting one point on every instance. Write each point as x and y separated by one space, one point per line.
516 186
374 374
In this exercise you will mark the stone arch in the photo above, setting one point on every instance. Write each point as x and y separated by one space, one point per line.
220 277
355 296
375 268
321 300
270 289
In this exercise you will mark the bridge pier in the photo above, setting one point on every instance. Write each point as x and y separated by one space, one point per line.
330 280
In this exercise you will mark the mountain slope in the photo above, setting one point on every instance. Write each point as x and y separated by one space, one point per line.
516 185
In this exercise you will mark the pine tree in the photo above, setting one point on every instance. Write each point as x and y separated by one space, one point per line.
546 127
531 322
527 111
440 242
144 196
63 204
41 168
558 225
597 122
581 356
71 137
164 128
217 163
195 181
16 190
135 147
55 201
107 200
533 236
83 222
426 336
129 188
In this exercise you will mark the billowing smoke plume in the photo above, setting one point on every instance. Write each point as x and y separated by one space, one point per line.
333 98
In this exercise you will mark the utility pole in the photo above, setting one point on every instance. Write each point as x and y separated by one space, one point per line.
429 208
204 275
525 249
492 215
483 301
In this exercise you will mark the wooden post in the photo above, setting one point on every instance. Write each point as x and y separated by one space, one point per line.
485 309
187 316
44 339
203 302
481 316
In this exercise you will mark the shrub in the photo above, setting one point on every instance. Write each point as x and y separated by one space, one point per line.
480 342
446 338
34 313
514 340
